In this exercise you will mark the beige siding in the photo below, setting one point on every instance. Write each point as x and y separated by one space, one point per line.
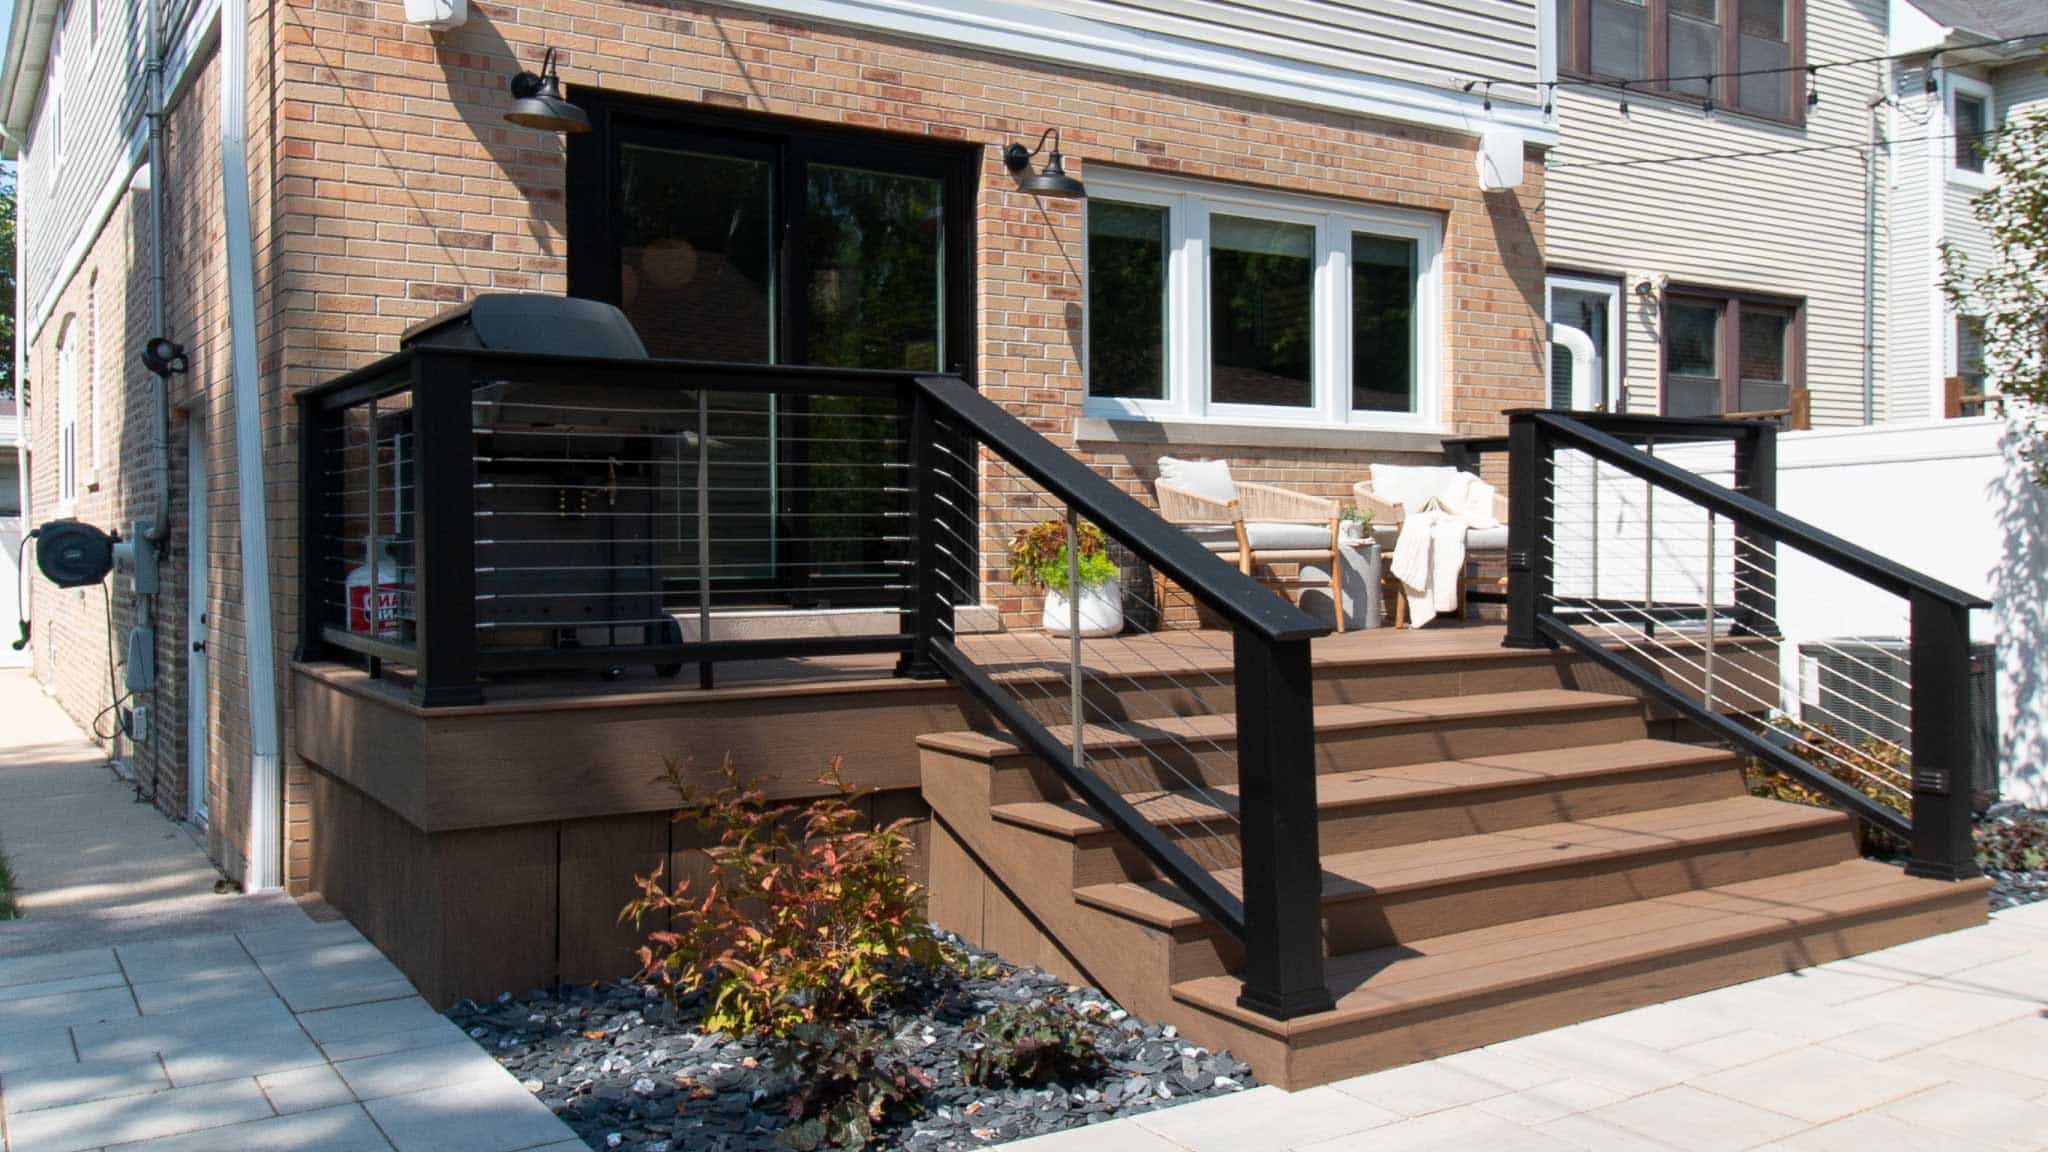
1441 43
1792 225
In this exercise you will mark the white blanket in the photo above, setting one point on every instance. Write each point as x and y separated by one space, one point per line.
1429 555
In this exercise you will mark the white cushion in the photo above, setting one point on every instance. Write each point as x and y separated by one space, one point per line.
1264 537
1411 486
1494 539
1209 479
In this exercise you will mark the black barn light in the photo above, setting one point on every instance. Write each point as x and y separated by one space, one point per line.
538 103
1053 179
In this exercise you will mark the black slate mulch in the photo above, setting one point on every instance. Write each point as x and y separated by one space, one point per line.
627 1071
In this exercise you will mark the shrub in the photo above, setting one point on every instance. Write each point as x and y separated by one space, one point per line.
788 928
2017 843
848 1083
1038 555
1852 764
1026 1044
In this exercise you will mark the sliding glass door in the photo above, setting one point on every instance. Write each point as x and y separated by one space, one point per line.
747 240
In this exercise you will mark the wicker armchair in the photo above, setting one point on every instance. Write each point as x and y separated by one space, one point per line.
1264 525
1387 516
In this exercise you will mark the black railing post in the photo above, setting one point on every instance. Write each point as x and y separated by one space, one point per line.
1756 554
1942 740
1282 868
315 560
444 531
1532 475
928 611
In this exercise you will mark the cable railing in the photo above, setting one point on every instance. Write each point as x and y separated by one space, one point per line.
1626 549
473 515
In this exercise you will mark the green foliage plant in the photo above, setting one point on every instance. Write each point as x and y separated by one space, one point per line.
2016 845
1861 765
805 915
850 1084
1020 1044
2009 291
1038 556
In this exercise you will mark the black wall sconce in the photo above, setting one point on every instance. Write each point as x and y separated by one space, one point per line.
537 101
1053 179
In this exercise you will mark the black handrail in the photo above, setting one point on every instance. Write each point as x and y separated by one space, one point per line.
1217 585
1824 546
1939 614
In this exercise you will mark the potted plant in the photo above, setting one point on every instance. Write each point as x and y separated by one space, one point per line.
1038 559
1354 523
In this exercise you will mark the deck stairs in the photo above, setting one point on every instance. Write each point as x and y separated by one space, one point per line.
1509 843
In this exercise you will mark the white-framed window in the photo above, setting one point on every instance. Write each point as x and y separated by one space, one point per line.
67 413
91 373
1210 302
1591 304
1972 118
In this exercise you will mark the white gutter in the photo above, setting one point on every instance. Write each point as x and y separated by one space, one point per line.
266 811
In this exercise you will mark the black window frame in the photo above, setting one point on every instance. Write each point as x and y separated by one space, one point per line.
1575 58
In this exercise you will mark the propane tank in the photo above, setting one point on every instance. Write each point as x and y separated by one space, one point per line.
380 608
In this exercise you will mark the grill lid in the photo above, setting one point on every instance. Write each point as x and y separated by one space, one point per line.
532 322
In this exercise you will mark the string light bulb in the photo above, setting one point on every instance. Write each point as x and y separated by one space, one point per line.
1813 88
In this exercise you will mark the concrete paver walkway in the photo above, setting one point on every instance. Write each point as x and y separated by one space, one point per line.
140 1011
1935 1046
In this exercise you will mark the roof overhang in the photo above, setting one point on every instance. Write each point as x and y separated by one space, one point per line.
23 68
1915 32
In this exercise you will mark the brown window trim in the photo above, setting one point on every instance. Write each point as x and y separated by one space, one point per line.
1575 56
1730 351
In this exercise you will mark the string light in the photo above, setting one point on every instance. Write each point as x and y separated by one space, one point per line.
1933 84
1690 158
1812 88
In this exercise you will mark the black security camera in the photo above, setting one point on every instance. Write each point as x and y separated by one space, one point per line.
164 356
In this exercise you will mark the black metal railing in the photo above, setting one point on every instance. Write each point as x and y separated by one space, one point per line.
1622 549
471 515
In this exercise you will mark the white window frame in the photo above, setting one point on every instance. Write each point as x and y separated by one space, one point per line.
1610 387
1189 205
1976 90
67 414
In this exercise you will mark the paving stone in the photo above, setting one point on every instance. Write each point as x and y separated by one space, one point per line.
1784 1014
376 1028
1552 1101
1628 1068
1868 1131
1664 1026
56 1085
418 1068
494 1115
1826 985
1935 1008
1585 1130
120 1121
1687 1118
1114 1136
208 1044
67 984
305 1089
334 975
57 966
266 943
201 991
31 1049
1955 1069
1452 1130
159 961
1419 1089
1509 1071
1975 1118
346 1128
1263 1118
1737 1049
2016 1047
32 1013
1817 1085
1883 1042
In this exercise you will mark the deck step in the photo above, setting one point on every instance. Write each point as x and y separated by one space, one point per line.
1173 752
1382 807
1442 994
1413 891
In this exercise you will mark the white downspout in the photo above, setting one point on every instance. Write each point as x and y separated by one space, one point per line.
266 814
1584 354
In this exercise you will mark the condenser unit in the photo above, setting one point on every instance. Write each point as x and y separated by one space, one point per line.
1856 687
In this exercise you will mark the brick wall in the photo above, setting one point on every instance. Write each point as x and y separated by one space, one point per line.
387 187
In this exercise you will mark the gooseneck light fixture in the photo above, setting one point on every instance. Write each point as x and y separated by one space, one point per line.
537 101
1053 179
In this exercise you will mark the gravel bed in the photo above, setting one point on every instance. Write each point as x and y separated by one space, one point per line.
2013 887
628 1071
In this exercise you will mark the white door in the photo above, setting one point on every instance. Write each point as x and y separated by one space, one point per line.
1592 306
195 620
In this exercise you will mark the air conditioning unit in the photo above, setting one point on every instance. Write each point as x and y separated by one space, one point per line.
1861 680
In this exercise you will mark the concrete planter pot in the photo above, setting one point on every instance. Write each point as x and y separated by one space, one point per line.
1102 612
